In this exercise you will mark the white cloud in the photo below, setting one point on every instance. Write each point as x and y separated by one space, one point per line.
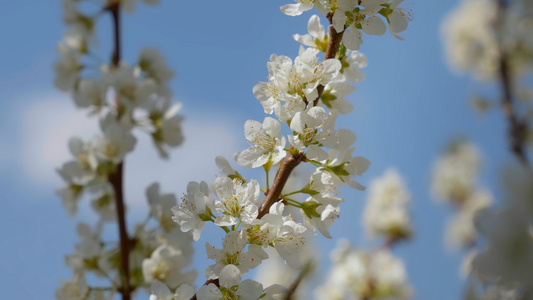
47 125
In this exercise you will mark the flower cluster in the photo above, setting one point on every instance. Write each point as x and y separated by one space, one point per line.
374 274
358 274
506 260
386 213
477 35
124 97
303 97
455 182
356 16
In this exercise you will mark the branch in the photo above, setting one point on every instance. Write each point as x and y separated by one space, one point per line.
517 129
288 164
116 178
334 42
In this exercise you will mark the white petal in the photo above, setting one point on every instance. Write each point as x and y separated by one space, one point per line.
271 126
352 38
295 9
374 26
339 20
315 28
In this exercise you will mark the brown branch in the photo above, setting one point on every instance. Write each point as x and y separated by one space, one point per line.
117 177
334 42
288 164
517 129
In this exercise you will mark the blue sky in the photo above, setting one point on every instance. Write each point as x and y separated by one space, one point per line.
406 111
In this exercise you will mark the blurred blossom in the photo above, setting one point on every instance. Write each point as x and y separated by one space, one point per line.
386 212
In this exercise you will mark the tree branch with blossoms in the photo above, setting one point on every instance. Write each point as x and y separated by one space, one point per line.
156 250
234 203
116 178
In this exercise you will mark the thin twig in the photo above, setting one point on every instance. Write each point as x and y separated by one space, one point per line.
517 129
288 164
117 177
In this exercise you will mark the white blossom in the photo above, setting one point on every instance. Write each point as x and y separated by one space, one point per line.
67 68
357 274
231 287
91 93
461 231
316 38
73 290
154 66
356 19
166 265
237 200
161 205
291 86
116 141
232 253
267 145
194 209
130 91
386 212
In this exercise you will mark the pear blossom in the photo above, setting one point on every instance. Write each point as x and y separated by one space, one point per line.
342 166
354 19
166 265
194 209
461 231
67 68
334 95
313 129
237 200
90 253
81 24
323 6
322 217
160 206
231 287
73 290
91 93
397 17
103 195
130 91
161 292
316 38
267 144
232 253
289 241
507 257
167 124
116 141
280 231
351 67
357 274
455 173
386 212
291 86
223 164
154 66
73 174
471 44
